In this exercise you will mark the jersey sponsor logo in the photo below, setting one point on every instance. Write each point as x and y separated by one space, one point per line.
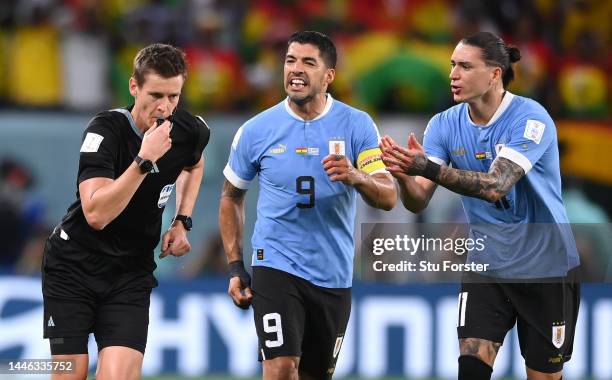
558 334
556 359
370 160
50 323
164 195
281 148
458 152
534 130
92 142
337 147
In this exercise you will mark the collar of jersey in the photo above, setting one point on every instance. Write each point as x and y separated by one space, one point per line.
328 105
503 106
128 114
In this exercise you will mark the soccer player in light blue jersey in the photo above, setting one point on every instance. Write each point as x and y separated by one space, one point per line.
312 155
499 151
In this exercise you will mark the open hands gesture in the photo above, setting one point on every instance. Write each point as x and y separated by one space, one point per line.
403 161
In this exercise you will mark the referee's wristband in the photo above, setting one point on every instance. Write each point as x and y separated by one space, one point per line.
431 170
236 269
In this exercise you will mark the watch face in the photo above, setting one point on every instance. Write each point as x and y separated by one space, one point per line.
186 220
146 166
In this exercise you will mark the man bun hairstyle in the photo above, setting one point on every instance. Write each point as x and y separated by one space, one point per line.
321 41
165 60
496 53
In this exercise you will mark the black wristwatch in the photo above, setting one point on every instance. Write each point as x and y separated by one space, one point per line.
144 165
186 220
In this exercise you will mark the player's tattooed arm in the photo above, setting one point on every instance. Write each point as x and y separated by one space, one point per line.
231 220
232 191
231 226
491 186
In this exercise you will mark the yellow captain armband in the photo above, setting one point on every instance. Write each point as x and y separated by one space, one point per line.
370 161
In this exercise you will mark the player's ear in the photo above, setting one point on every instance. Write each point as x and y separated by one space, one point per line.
330 75
133 85
497 73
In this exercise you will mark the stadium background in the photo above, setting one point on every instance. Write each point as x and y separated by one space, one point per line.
62 61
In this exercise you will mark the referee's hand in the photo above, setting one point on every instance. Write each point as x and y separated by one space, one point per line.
156 141
241 294
174 241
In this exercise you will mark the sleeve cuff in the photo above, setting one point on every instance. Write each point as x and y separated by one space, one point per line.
437 160
516 157
100 173
233 178
379 171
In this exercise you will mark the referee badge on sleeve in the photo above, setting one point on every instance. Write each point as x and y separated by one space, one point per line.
558 334
91 143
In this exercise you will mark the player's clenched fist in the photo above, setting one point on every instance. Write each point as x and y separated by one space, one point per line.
156 141
239 285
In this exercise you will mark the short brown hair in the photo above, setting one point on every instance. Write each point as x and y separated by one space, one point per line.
165 60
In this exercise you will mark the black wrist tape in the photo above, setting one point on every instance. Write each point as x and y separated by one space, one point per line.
236 269
431 170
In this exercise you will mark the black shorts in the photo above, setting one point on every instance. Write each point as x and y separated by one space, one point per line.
293 317
545 314
86 292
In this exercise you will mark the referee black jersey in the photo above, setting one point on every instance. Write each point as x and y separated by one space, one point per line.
110 143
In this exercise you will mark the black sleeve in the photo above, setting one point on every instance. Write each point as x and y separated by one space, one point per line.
203 135
99 147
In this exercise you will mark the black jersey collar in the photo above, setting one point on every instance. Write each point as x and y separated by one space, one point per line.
128 114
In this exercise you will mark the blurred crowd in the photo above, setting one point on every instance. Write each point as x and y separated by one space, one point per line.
76 55
394 54
23 229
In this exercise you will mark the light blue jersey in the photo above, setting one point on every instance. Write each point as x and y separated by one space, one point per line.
305 222
527 233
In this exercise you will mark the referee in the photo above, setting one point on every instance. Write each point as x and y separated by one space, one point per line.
98 264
